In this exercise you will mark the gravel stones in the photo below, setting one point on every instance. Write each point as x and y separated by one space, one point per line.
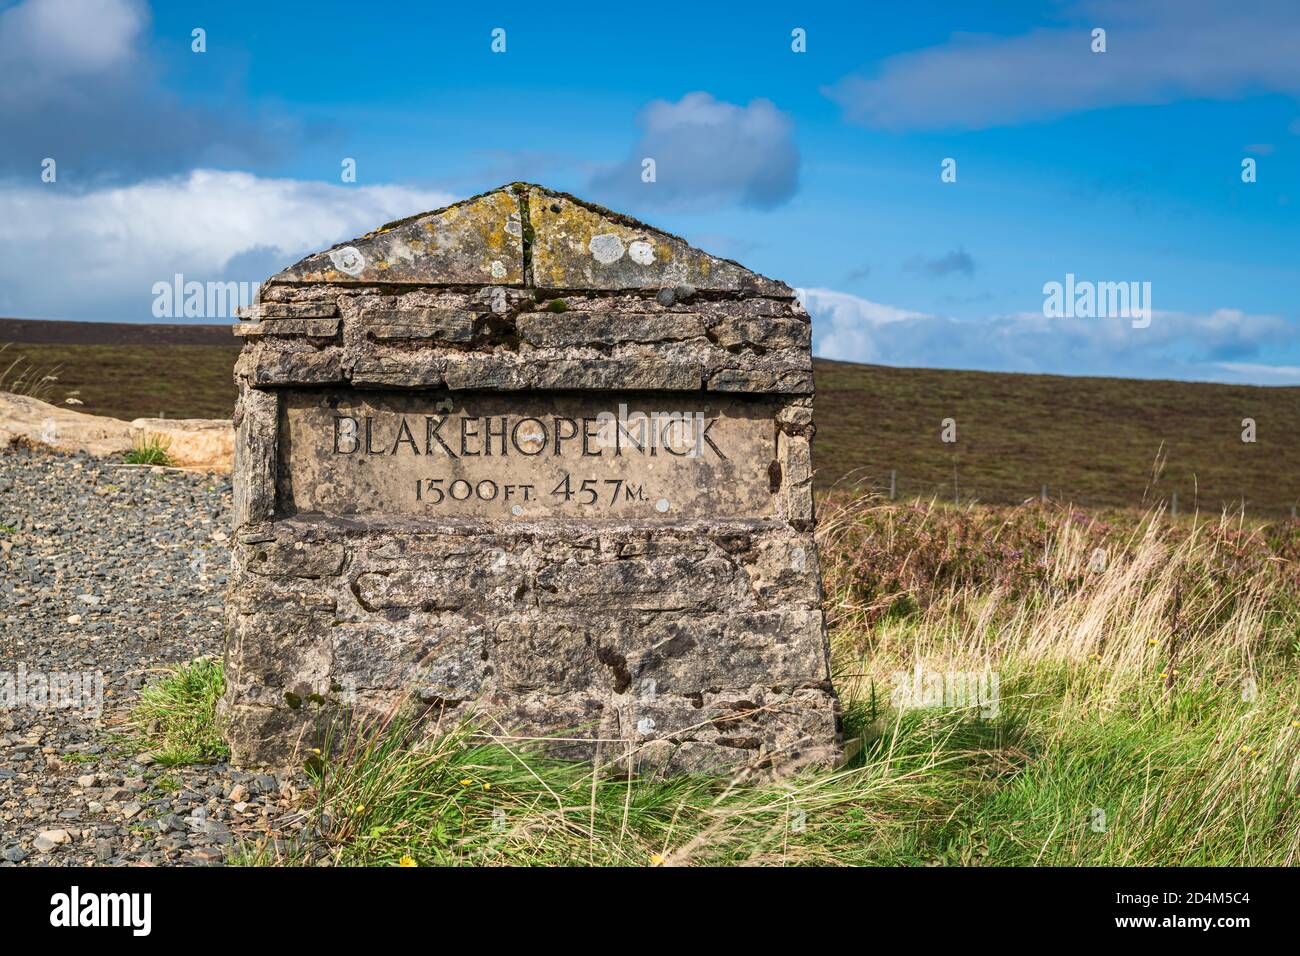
151 549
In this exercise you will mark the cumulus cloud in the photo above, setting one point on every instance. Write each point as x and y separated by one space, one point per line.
959 260
708 152
47 42
109 246
1158 51
1214 346
79 87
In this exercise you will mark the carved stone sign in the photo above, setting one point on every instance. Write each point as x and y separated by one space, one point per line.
534 464
503 455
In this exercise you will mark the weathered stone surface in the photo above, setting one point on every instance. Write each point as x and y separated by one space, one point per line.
609 328
298 367
493 371
265 736
763 333
438 325
443 661
554 656
286 555
256 423
397 369
633 372
582 246
796 381
31 421
307 309
298 328
533 464
279 651
475 242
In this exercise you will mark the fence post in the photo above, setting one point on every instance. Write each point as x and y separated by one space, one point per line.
1174 504
893 486
1043 495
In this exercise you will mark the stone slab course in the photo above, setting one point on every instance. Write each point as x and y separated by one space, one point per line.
531 463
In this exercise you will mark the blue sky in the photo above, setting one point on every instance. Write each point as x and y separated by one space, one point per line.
821 168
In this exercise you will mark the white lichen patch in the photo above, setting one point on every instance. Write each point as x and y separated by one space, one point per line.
513 226
606 248
498 269
348 260
641 252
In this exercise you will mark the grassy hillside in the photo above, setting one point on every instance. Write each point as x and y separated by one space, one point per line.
171 381
1092 441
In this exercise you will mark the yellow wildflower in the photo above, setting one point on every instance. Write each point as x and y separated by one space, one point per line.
407 861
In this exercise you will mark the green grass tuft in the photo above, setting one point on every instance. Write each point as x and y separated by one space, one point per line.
149 451
177 715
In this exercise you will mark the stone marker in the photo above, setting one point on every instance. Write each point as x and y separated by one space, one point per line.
529 460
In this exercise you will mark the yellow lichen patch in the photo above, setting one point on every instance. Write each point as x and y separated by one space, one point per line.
575 246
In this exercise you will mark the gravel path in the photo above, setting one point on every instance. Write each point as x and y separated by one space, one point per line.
112 571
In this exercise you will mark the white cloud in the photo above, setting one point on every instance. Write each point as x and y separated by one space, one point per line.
43 42
1214 346
78 85
709 152
1158 51
107 247
1265 374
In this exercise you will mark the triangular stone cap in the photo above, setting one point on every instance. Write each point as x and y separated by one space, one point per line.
478 241
526 235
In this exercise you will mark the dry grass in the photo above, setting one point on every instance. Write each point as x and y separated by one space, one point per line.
20 376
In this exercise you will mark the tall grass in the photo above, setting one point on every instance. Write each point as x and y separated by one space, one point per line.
1148 713
20 377
1150 664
